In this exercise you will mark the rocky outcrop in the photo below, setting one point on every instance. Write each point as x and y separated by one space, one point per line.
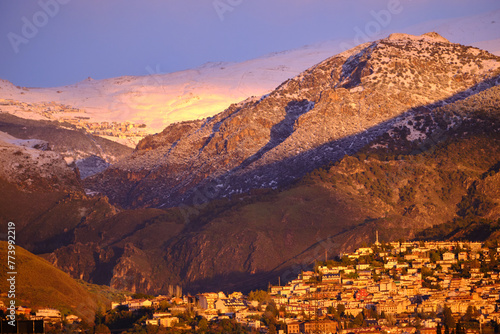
72 144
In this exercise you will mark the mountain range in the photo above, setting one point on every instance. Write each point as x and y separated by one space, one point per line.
400 135
159 99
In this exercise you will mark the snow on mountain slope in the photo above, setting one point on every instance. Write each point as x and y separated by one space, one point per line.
161 99
30 165
158 99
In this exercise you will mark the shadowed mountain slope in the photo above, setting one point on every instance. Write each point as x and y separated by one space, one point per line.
427 169
40 285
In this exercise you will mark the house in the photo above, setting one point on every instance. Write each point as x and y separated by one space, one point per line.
115 305
177 301
363 266
73 319
293 328
136 304
48 314
306 275
321 326
23 310
153 322
448 256
427 331
229 305
354 311
178 309
411 257
364 251
255 324
236 295
157 315
331 278
387 285
325 270
207 300
390 307
361 294
220 305
168 321
390 264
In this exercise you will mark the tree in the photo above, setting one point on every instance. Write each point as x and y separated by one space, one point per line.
468 314
359 320
142 296
341 310
102 329
258 295
203 324
434 256
496 328
448 319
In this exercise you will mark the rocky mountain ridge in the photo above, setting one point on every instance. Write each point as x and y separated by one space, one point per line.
78 148
330 110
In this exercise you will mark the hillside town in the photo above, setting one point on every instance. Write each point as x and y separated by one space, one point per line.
398 287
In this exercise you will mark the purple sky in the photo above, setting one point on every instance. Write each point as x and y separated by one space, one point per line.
75 39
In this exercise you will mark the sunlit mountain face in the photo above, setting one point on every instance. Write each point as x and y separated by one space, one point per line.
158 99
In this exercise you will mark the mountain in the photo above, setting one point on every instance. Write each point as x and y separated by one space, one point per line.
40 285
152 102
330 110
40 184
159 99
33 166
397 184
398 136
91 154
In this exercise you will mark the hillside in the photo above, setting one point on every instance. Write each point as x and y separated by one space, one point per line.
91 154
40 285
428 169
40 191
